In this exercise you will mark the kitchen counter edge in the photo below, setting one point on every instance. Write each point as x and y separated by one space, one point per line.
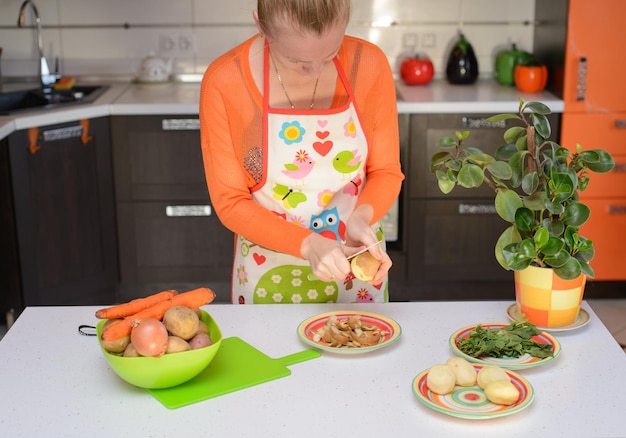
438 97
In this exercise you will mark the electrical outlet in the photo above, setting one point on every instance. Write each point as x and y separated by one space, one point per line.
168 44
177 44
429 41
409 40
187 44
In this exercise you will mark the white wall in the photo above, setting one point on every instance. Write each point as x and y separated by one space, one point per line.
112 36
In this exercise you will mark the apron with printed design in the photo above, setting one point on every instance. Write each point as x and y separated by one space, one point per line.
314 172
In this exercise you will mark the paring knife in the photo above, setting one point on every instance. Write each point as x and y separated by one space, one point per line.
364 250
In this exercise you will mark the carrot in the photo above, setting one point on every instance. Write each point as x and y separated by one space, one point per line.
192 299
134 306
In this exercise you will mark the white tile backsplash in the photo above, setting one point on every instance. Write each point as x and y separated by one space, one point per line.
111 37
93 12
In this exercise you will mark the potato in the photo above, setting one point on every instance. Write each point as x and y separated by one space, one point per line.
130 351
491 373
501 392
117 345
464 371
202 328
440 379
365 266
176 345
181 321
200 340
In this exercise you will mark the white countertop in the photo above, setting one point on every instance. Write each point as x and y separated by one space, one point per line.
55 382
484 96
126 99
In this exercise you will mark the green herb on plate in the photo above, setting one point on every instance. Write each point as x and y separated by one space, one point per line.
514 340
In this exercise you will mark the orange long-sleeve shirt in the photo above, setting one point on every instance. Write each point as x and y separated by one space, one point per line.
231 118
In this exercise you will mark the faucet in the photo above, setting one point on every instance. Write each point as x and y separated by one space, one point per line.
47 78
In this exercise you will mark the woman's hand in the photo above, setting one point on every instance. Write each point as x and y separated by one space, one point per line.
359 234
326 257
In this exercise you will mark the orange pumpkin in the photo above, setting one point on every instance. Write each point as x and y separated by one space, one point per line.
531 78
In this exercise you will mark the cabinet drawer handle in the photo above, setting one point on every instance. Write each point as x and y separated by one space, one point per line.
619 167
63 133
581 84
620 123
180 124
617 209
477 209
481 122
187 210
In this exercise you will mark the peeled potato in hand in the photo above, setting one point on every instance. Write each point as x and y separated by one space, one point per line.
365 266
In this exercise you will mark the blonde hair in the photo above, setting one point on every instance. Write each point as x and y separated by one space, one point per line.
309 16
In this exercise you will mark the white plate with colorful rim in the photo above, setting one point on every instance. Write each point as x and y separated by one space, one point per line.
581 321
471 402
309 327
512 363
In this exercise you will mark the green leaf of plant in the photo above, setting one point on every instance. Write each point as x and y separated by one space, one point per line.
439 159
536 201
527 247
507 202
500 170
524 219
505 152
446 142
541 238
500 117
555 208
461 135
537 107
542 126
517 167
509 236
481 159
586 269
554 226
470 176
445 186
530 183
512 134
576 214
604 164
558 260
570 270
552 247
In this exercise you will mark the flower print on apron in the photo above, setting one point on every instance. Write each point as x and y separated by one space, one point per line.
314 172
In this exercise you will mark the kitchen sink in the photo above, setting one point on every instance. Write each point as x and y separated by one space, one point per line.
36 100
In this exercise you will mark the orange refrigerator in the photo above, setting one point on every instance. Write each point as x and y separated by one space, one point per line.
593 80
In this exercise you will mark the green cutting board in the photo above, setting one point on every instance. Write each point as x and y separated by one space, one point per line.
237 365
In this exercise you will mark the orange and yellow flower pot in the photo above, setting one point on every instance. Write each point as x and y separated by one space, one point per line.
547 300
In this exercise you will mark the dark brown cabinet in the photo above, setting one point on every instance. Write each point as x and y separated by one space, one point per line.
61 191
169 235
452 237
10 293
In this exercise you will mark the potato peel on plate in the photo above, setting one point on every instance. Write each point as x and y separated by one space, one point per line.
348 332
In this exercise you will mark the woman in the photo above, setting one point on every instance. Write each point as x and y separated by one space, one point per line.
300 147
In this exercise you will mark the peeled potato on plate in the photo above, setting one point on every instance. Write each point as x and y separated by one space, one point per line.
365 266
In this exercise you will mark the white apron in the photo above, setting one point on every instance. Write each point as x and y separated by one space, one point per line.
312 176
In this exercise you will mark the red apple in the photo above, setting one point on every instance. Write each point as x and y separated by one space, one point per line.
417 70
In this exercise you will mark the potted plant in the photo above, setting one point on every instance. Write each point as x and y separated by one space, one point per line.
537 184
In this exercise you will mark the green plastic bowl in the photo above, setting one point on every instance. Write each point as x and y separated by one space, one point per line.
168 370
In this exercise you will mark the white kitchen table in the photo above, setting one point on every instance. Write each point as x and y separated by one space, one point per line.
55 382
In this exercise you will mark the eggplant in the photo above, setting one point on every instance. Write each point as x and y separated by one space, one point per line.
462 67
